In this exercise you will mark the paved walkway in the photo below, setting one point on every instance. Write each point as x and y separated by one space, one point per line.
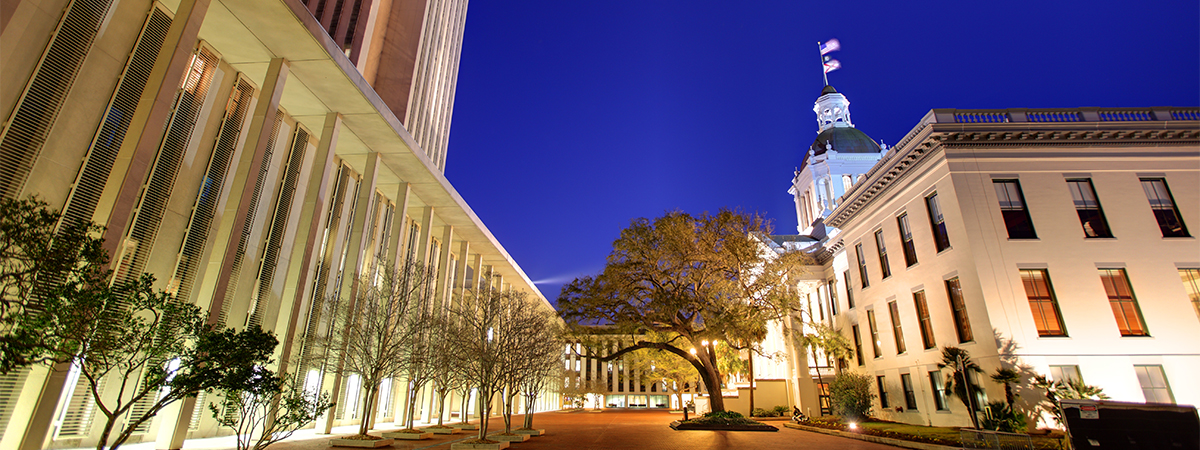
613 429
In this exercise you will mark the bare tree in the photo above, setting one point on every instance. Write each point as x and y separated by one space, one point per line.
374 328
482 335
421 361
544 362
446 379
267 410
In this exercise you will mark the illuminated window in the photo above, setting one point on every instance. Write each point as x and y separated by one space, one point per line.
1191 283
1154 384
962 323
937 222
938 389
1124 304
1088 207
876 345
923 319
862 264
906 240
894 312
883 261
1164 208
1012 207
1042 302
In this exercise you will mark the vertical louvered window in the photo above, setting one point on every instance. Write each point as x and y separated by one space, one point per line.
10 388
27 128
274 241
76 418
260 179
211 190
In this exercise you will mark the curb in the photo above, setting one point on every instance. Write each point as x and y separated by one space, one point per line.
875 439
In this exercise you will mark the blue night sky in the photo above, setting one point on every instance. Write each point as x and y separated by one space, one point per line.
572 118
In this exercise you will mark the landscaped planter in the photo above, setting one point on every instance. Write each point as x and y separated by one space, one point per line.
464 426
408 435
495 445
441 429
360 443
509 437
529 431
677 425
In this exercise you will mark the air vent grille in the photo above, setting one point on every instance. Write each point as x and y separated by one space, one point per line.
279 221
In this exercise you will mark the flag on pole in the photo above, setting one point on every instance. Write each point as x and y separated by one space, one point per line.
832 65
830 45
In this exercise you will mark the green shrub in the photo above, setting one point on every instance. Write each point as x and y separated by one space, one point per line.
851 395
998 416
781 411
759 412
723 418
724 415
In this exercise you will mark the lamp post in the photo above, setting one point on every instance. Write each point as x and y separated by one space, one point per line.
962 370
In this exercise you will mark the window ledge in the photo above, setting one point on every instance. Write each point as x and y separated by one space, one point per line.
1181 238
1024 239
913 266
1143 336
944 250
1063 337
1100 238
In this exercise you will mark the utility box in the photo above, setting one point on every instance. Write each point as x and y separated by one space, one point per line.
1149 426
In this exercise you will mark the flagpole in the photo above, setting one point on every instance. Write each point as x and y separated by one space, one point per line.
821 56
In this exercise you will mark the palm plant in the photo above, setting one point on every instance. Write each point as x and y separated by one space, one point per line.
960 365
1008 378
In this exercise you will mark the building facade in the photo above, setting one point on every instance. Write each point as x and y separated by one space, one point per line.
256 156
1052 242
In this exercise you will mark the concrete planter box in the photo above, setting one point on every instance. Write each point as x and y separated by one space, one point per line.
679 426
464 446
509 437
360 443
464 426
408 436
537 432
440 430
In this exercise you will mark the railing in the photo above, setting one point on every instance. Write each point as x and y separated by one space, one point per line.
1062 115
997 440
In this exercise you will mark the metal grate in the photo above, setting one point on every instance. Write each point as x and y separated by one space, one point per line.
203 212
279 221
97 165
25 133
198 411
235 269
313 329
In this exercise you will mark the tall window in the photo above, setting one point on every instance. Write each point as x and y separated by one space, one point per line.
938 390
1012 207
894 312
849 293
1124 305
1164 208
910 396
883 262
937 223
923 319
877 346
962 324
883 398
1042 302
1191 283
1090 215
1154 384
830 288
857 344
862 264
906 239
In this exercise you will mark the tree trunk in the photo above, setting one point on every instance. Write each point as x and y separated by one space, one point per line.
365 425
108 426
820 380
462 407
529 407
751 361
441 405
508 410
484 411
412 410
712 382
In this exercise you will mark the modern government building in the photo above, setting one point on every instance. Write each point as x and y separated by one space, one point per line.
256 154
253 155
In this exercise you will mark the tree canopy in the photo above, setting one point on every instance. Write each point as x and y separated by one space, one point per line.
692 279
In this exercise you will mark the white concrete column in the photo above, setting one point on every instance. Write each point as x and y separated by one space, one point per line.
426 235
442 287
397 235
